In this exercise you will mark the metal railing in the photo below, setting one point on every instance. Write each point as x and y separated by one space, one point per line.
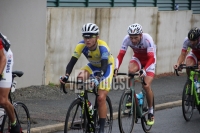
163 5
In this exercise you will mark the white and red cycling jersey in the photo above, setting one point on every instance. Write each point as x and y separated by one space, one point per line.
6 80
195 50
1 44
144 53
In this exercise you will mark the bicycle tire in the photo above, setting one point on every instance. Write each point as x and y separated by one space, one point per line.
146 128
124 111
22 113
72 125
188 102
109 117
4 123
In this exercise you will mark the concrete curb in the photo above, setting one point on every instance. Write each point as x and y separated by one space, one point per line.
60 126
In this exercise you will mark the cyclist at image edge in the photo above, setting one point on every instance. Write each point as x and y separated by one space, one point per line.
143 60
192 42
6 64
101 66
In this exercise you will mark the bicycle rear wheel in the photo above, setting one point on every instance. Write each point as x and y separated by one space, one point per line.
23 116
126 117
188 102
146 128
4 125
75 121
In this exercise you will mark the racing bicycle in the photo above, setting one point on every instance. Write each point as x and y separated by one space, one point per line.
190 96
131 107
80 116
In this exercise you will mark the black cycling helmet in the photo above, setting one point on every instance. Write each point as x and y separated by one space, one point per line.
194 34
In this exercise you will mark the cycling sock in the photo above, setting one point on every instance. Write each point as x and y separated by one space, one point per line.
14 123
151 110
102 124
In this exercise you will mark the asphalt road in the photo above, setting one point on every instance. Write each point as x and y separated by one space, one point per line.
167 121
53 108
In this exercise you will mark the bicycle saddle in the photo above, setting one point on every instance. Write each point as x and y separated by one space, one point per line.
17 73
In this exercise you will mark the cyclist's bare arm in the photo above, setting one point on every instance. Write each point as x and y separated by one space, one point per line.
181 58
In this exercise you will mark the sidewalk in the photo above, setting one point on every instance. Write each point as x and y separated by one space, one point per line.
48 105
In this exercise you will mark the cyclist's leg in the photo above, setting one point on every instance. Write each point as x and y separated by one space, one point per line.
5 103
102 108
134 65
104 87
5 85
86 71
149 93
191 60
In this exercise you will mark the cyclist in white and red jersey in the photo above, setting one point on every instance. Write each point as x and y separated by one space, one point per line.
143 60
192 42
6 64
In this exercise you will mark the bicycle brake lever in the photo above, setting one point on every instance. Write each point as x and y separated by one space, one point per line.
62 87
176 72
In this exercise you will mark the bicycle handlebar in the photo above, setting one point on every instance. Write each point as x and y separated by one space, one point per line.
183 66
62 86
131 75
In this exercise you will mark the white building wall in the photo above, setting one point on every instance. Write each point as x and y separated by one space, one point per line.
24 23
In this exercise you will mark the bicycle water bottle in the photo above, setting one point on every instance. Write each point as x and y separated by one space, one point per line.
140 98
197 85
91 111
1 115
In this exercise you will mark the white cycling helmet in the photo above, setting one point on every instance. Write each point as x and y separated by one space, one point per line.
135 29
5 37
90 28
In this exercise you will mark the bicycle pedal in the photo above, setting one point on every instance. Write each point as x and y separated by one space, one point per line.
145 109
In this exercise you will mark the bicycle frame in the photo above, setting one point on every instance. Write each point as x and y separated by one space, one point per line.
193 88
133 95
83 96
135 100
193 72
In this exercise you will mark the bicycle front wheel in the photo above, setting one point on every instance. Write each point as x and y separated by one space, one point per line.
22 116
75 121
146 128
188 102
126 116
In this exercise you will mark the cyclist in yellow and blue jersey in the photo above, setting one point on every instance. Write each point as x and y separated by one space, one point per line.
100 66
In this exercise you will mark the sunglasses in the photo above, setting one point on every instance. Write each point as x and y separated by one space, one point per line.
89 37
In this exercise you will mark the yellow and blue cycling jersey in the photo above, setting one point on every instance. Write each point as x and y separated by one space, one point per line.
94 57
